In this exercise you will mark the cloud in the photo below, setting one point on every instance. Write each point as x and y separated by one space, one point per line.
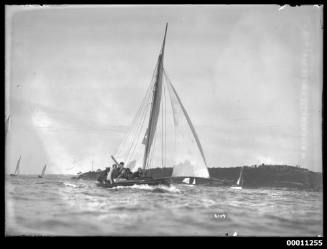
83 74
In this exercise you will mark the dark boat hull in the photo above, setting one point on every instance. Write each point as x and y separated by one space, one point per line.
40 176
150 182
13 175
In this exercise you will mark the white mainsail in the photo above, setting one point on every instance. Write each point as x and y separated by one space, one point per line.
155 107
159 138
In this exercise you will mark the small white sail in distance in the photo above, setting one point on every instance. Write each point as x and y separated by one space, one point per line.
17 170
43 170
238 183
186 180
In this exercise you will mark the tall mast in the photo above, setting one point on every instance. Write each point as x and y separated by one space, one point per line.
155 105
163 43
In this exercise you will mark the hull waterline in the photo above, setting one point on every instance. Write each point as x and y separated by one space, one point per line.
150 182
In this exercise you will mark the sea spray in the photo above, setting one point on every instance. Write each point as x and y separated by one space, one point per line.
164 188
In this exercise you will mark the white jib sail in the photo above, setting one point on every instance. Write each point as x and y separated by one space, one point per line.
189 159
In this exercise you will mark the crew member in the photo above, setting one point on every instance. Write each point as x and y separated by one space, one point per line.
103 175
138 173
110 174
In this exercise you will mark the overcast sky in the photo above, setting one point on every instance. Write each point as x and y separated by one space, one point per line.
250 78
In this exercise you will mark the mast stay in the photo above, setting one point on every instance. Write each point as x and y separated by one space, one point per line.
198 167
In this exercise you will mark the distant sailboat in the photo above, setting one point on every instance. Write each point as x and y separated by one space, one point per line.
186 180
239 182
43 171
7 125
17 170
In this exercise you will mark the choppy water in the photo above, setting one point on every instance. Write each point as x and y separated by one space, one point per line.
58 205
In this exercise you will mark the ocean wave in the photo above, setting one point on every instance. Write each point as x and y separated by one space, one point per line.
63 206
156 189
165 189
70 184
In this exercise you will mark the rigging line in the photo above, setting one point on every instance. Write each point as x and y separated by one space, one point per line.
171 104
137 116
165 125
162 140
142 104
150 91
138 134
195 136
134 139
138 127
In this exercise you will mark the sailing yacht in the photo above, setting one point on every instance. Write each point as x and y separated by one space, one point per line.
43 171
153 132
239 182
17 170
